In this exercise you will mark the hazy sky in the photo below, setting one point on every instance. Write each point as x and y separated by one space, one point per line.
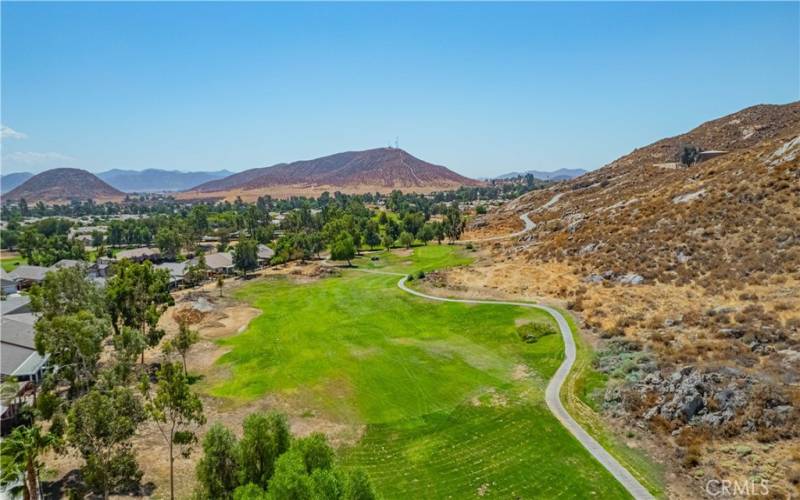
481 88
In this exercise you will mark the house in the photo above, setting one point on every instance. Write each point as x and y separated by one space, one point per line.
140 254
218 263
91 269
707 155
7 283
265 254
10 403
18 356
25 276
176 272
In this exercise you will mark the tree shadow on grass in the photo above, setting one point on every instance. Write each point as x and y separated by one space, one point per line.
71 485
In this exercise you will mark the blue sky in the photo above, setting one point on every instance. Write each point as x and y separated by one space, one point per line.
481 88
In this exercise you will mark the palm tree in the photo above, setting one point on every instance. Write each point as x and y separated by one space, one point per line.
19 456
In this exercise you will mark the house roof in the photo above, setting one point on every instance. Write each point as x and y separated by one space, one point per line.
17 361
219 260
138 253
17 333
176 269
32 273
15 303
265 252
61 264
5 277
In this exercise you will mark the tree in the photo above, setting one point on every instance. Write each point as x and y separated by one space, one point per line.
689 155
220 284
413 221
136 296
245 255
217 470
290 481
182 342
392 228
438 231
328 484
453 223
129 344
388 241
176 410
74 343
265 438
196 273
371 235
317 453
359 487
169 243
406 239
343 248
426 234
66 291
249 491
100 426
20 454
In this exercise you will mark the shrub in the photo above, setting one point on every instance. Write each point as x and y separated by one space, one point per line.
532 332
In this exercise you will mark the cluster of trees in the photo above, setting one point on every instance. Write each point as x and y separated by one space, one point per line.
346 225
268 463
94 407
44 242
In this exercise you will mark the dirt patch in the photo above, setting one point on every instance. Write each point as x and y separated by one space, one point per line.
490 398
520 372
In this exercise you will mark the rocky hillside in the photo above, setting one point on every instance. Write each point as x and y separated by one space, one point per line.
62 185
382 169
688 280
732 218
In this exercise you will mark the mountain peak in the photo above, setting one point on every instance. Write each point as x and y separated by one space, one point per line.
380 169
62 185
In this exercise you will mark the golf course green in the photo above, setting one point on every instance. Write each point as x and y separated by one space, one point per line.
451 397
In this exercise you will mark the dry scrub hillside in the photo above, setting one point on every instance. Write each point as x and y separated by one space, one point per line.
690 276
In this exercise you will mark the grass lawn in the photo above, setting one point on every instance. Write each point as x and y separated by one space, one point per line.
451 398
9 263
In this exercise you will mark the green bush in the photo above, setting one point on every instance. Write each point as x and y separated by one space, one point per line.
532 332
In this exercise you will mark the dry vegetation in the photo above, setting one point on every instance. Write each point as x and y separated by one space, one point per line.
690 278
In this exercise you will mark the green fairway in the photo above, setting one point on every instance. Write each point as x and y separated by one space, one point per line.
452 399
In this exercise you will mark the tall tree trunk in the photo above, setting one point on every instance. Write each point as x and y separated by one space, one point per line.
171 472
31 479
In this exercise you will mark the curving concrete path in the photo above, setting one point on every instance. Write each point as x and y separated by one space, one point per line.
553 390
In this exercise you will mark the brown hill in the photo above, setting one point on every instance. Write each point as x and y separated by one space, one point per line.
382 170
687 279
62 185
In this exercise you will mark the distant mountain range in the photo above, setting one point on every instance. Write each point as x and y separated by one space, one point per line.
10 181
556 175
61 185
373 170
157 180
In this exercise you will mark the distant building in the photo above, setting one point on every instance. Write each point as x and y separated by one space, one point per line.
177 270
265 254
217 263
140 254
707 155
